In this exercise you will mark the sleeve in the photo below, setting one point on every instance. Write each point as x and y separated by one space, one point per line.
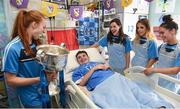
10 61
128 45
77 76
177 63
152 50
103 41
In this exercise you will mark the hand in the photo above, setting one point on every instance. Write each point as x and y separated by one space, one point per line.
148 71
126 71
51 75
101 66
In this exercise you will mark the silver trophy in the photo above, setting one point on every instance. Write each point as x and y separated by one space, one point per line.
53 58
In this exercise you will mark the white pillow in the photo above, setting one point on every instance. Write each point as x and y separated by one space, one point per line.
93 54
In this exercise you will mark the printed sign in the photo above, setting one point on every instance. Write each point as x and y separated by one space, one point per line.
49 9
108 4
125 3
76 11
19 3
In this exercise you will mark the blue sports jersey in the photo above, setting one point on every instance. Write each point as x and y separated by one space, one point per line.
16 61
96 78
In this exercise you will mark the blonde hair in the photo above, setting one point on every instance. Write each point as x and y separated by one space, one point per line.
149 34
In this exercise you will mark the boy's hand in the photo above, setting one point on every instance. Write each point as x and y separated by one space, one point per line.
102 66
51 75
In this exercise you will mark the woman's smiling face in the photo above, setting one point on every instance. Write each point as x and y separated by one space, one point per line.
166 35
114 28
141 29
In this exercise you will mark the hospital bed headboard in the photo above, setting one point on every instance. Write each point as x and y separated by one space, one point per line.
93 54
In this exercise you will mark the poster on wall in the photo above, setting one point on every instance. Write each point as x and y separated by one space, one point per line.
109 7
88 32
108 4
49 9
61 3
165 6
76 11
19 3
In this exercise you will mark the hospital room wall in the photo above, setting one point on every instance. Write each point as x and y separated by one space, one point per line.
155 15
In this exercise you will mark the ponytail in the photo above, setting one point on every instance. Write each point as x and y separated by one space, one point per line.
23 20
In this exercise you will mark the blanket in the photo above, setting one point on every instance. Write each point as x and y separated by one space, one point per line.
119 92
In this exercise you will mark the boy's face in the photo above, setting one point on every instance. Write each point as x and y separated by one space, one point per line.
82 58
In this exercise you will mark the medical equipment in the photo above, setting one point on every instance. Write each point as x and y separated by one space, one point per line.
53 58
77 99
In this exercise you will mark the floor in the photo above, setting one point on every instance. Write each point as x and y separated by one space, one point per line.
3 101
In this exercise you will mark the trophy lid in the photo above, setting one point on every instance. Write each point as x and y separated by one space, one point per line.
53 50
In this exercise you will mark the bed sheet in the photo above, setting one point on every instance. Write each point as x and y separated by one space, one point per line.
170 99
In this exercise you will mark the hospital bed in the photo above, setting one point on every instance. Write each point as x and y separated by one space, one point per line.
76 98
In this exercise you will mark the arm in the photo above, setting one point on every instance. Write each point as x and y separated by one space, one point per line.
127 56
152 53
96 45
102 42
172 70
15 81
90 72
150 63
128 48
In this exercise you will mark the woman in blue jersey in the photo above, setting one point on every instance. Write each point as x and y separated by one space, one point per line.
169 53
118 45
144 46
21 70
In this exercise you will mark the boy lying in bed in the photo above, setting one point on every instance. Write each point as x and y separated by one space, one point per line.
109 89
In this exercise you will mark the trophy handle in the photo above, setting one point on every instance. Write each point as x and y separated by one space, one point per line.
63 45
40 55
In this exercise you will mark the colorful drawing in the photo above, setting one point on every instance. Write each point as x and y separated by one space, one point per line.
165 6
88 32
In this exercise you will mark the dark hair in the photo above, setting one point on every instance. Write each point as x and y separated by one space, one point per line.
79 52
23 20
168 23
121 33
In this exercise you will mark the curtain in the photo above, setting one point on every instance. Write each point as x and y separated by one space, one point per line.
67 36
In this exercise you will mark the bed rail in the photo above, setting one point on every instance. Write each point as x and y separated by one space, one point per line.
136 73
79 97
